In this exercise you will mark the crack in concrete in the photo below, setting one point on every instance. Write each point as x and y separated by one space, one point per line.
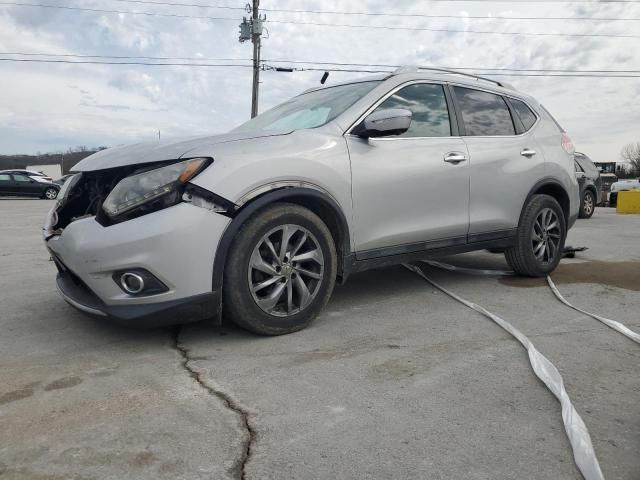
238 470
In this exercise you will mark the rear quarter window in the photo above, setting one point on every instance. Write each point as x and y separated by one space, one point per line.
526 116
484 114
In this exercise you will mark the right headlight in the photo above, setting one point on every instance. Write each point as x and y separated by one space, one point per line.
152 190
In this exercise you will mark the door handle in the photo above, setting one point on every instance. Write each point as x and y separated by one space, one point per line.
455 157
527 152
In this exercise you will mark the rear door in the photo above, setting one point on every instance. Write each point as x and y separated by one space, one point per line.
411 191
505 161
5 184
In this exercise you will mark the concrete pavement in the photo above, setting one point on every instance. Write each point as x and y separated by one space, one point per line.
393 380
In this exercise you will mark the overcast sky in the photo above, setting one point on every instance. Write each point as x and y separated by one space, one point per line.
48 107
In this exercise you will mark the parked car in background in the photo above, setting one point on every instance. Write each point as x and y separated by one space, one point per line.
622 186
21 185
588 177
606 180
29 173
260 223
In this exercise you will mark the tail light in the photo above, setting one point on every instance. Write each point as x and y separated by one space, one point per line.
567 144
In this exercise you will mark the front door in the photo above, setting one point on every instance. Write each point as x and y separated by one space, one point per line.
411 191
24 185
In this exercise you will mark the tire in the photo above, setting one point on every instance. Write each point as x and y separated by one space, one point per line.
587 205
50 193
258 244
531 232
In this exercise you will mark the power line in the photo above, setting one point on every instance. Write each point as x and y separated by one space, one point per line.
378 14
102 62
429 29
584 74
322 24
459 17
77 55
309 62
172 4
128 12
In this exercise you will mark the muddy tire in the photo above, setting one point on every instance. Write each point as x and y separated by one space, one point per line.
540 238
280 271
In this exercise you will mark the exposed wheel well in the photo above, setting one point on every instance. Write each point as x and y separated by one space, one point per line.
329 216
556 191
318 202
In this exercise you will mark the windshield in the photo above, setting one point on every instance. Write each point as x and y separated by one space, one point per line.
310 110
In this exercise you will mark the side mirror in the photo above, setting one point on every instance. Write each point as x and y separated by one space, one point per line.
383 123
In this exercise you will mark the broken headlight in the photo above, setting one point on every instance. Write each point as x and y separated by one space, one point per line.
152 190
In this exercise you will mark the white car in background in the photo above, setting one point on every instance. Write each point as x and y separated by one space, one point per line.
622 186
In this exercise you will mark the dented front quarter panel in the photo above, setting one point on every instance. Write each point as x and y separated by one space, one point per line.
315 158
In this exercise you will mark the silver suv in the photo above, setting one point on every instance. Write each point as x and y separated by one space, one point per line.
257 225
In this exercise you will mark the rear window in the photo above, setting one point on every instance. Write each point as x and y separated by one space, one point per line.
526 116
484 114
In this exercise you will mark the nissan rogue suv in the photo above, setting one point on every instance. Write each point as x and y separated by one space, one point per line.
257 225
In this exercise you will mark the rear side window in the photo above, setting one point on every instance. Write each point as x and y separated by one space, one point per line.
527 117
4 177
484 113
428 105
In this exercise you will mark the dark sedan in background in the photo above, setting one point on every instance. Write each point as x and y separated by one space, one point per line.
21 185
588 177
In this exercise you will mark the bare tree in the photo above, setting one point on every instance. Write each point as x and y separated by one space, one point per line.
631 153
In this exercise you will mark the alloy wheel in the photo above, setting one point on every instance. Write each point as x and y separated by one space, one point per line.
51 194
587 204
546 236
286 270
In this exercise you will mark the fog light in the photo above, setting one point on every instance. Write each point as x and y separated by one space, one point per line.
131 283
139 282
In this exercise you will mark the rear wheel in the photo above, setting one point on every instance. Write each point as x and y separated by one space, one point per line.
280 271
588 204
50 193
540 238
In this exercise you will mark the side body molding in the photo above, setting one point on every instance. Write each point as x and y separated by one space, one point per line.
294 195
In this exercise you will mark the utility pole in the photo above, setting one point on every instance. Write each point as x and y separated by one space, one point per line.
255 38
252 30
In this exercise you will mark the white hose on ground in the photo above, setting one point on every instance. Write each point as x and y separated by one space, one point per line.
619 327
579 438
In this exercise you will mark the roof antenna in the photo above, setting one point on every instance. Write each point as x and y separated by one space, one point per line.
324 77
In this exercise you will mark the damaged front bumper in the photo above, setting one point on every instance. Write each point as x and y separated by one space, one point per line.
177 245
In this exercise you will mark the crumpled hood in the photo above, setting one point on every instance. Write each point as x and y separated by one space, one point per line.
172 149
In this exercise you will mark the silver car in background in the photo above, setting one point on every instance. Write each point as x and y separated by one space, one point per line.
258 224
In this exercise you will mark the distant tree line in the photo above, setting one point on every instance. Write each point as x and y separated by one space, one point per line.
65 159
630 153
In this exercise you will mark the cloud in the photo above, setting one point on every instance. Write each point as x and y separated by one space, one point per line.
53 106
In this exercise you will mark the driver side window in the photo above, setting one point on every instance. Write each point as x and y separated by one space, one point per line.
428 105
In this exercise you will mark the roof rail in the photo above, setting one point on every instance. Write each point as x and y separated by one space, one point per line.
409 69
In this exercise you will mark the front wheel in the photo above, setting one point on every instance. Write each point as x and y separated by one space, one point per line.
540 238
588 204
280 271
50 193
